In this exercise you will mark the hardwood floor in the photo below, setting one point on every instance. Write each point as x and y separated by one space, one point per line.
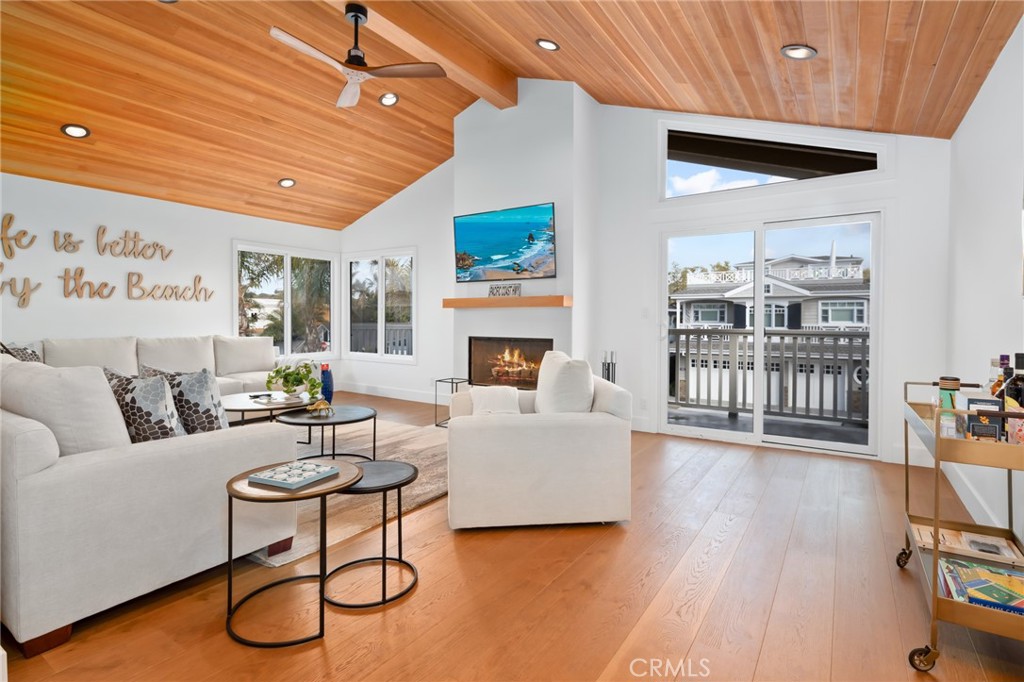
740 563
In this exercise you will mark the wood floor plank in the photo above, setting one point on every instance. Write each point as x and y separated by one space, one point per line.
802 612
730 637
670 622
866 635
721 539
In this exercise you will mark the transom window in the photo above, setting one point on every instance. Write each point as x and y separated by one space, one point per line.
843 312
708 312
287 296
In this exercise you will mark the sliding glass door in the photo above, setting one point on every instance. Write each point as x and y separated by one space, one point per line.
769 334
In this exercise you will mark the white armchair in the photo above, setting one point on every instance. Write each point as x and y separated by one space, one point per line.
529 468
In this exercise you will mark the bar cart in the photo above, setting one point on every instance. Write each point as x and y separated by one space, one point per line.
924 420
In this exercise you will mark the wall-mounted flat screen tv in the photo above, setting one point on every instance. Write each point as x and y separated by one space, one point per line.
513 243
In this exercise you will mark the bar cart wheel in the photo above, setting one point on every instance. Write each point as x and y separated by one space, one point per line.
903 557
923 659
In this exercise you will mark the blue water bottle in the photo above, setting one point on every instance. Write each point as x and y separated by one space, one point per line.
328 382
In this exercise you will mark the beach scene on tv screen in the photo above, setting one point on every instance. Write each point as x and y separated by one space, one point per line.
515 243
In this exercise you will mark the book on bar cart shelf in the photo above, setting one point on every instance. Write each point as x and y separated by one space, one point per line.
983 585
974 543
293 475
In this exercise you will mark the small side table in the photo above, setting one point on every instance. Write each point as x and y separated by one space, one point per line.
239 488
380 477
453 387
343 414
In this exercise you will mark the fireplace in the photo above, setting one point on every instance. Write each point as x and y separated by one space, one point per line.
503 361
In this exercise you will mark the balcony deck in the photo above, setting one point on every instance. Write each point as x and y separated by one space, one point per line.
831 432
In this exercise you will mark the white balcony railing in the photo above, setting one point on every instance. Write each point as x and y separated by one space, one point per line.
849 272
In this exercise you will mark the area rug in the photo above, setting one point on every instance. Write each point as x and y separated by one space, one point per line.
425 447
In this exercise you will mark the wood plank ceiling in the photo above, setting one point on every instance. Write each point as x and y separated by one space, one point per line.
193 102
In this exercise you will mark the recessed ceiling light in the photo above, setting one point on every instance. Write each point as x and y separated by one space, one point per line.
549 45
286 182
388 99
75 130
800 52
169 2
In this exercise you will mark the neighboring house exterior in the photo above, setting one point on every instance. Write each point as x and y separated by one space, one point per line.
815 293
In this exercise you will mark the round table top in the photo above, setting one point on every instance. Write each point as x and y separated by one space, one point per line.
380 475
241 402
343 414
240 488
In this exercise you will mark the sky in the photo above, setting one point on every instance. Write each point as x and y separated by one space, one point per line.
852 239
684 178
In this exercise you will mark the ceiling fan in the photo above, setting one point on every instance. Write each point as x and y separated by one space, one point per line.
354 68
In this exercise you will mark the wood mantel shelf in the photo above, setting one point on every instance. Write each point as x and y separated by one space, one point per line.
509 302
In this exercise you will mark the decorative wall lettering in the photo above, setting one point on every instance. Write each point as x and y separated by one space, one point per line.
77 286
22 290
11 242
65 242
130 245
137 291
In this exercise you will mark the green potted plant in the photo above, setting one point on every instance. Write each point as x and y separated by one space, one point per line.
292 378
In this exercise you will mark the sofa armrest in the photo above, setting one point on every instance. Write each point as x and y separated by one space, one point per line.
27 446
612 399
461 404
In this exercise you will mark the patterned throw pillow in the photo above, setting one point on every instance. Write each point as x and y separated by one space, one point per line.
196 396
22 353
146 405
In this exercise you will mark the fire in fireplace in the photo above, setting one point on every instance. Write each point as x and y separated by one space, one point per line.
500 361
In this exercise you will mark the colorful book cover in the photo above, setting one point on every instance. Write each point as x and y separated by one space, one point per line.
983 428
954 588
991 586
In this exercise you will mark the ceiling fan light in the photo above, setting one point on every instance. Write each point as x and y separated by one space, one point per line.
549 45
388 99
799 52
75 130
286 183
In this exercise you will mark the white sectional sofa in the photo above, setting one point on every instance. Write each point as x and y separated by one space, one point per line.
529 468
240 364
90 520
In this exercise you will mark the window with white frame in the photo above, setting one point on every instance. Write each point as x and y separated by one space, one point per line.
380 296
703 313
774 316
286 295
843 312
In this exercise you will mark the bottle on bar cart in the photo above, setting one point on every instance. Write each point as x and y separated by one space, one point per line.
1013 400
995 375
1007 372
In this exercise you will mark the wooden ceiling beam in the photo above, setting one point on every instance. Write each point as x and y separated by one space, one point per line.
412 29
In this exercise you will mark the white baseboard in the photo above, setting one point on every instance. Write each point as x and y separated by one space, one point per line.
644 424
390 392
3 665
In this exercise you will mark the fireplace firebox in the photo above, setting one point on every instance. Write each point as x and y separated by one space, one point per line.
504 361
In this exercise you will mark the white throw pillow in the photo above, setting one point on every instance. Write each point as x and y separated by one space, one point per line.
494 400
76 403
564 384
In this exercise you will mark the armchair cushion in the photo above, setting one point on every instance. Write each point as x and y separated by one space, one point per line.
564 384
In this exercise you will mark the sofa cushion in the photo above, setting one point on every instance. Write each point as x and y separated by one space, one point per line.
22 353
235 354
564 384
196 398
146 405
494 400
253 381
229 386
178 354
73 402
118 353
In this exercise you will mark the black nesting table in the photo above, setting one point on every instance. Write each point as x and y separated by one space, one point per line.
343 414
380 477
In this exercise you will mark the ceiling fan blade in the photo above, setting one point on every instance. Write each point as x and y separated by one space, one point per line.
305 48
415 70
349 95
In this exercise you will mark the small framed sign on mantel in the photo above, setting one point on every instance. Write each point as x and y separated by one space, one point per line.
505 290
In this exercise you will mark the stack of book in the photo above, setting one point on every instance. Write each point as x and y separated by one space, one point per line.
995 587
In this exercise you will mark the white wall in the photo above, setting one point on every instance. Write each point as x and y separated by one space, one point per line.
201 239
985 264
419 220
